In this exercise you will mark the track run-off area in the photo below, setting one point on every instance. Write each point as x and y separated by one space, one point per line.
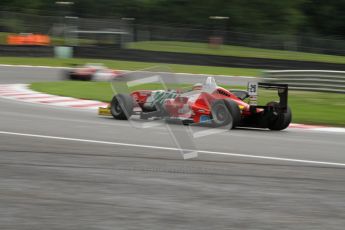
67 168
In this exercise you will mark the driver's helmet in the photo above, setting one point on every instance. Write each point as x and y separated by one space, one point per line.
197 86
210 85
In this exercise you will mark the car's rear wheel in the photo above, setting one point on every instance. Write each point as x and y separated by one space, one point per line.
121 106
86 77
235 112
225 113
279 120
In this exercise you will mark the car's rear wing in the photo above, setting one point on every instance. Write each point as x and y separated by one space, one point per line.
282 93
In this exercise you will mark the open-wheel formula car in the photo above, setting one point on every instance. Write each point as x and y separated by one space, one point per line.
92 72
206 103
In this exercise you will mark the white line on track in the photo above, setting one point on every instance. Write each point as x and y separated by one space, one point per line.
174 149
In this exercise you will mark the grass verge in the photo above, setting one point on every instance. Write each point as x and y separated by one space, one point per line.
131 65
237 51
307 107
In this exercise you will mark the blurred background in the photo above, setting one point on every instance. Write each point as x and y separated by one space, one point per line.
297 25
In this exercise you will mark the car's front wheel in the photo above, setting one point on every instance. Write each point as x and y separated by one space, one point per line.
121 106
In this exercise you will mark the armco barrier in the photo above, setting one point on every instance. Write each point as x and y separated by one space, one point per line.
309 80
26 51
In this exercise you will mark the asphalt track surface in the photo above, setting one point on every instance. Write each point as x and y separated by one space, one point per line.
88 172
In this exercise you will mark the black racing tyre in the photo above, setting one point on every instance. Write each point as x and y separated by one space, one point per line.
71 76
235 112
67 74
121 106
278 120
74 77
225 112
86 77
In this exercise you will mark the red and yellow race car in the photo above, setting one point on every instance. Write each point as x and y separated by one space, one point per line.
207 104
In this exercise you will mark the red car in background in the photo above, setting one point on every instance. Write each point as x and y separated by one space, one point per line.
92 72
